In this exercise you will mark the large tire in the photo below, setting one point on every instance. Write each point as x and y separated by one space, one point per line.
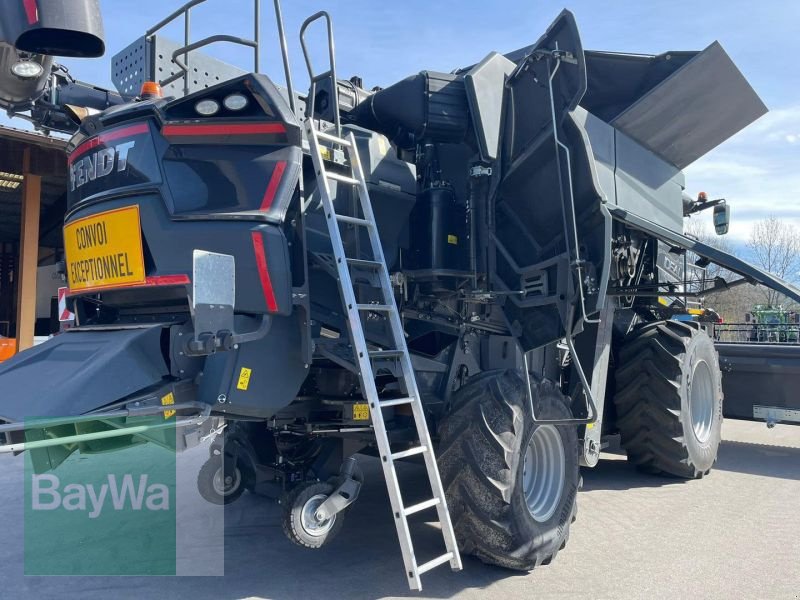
669 399
484 441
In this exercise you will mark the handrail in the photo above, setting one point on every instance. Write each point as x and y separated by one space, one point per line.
330 73
187 47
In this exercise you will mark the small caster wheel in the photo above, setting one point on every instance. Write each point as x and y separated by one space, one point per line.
300 523
217 486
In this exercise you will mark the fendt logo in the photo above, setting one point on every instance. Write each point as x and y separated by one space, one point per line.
99 164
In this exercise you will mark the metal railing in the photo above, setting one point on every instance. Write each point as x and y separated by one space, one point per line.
181 56
758 333
329 74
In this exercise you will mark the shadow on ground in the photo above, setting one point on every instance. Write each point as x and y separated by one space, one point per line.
760 459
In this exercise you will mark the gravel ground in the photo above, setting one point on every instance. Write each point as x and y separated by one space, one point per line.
731 535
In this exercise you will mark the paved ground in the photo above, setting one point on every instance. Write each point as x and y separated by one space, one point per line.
735 534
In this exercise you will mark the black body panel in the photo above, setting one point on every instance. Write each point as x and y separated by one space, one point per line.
759 374
81 371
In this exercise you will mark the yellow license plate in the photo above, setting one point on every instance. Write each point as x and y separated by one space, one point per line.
105 250
361 412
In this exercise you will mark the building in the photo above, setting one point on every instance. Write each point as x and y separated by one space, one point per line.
33 200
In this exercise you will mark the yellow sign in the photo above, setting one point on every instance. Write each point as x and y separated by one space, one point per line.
105 250
168 400
452 239
361 411
244 379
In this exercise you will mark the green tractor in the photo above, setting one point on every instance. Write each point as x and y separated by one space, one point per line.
773 324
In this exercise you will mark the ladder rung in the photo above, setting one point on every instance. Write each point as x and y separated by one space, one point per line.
395 402
367 264
342 178
386 353
410 452
432 564
375 307
353 220
332 138
421 506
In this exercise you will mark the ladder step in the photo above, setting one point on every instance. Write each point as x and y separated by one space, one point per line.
342 178
421 506
410 452
367 264
375 307
353 220
386 353
332 138
395 402
432 564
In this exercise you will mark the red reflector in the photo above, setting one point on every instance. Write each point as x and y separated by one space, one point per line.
106 137
272 186
152 281
31 11
223 129
167 280
263 271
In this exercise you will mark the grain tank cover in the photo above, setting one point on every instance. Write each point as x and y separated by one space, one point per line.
693 110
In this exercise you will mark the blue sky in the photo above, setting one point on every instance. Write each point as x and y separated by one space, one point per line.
758 170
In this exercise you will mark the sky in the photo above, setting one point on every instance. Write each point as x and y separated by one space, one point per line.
757 170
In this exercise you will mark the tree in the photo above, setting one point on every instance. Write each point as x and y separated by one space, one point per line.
775 246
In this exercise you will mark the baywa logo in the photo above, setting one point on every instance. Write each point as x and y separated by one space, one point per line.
125 493
101 513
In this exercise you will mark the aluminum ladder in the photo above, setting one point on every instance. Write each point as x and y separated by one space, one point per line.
365 357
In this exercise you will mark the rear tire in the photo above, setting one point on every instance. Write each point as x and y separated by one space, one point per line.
504 509
669 399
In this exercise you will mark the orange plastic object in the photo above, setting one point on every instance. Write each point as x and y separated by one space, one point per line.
8 348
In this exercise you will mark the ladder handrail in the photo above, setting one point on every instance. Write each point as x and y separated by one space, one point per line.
330 73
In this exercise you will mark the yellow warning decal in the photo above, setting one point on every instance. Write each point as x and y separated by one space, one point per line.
361 411
452 239
168 400
244 379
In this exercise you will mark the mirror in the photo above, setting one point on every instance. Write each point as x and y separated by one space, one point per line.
722 218
54 27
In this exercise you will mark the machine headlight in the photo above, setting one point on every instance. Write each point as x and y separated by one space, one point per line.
27 69
207 108
235 102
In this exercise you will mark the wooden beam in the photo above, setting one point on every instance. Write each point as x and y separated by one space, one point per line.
28 254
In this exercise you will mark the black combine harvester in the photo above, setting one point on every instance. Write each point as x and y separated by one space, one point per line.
468 268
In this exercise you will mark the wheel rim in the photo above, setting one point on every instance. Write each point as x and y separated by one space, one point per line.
226 485
308 517
701 401
544 472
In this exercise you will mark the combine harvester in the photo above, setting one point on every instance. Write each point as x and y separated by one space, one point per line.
463 267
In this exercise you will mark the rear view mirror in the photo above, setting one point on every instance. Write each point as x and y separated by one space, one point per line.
53 27
722 218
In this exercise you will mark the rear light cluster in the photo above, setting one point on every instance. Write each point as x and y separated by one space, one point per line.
209 107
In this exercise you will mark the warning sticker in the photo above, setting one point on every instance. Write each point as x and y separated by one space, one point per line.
244 379
168 400
361 411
